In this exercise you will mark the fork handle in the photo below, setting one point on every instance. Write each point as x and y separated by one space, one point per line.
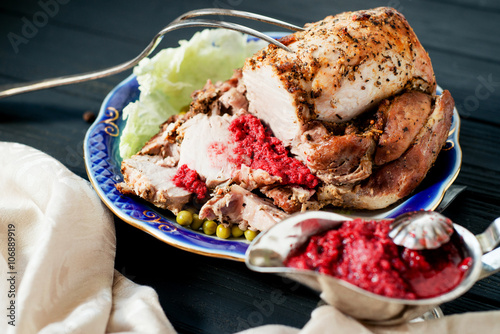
25 87
238 13
19 88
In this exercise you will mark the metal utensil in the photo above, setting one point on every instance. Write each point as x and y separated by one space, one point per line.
421 230
183 21
425 229
269 250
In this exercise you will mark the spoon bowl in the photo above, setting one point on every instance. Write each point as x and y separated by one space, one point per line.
269 250
421 230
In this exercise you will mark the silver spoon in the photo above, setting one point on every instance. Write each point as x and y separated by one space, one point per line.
430 230
269 250
421 230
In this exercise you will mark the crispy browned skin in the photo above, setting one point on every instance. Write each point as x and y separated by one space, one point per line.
403 119
399 178
341 66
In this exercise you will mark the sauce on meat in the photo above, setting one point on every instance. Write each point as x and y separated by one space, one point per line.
189 179
256 147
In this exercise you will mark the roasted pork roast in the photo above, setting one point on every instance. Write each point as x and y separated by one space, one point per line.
349 119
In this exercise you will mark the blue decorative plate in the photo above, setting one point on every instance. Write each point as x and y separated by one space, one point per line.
102 161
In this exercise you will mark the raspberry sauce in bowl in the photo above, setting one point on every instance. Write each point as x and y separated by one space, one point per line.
377 282
361 253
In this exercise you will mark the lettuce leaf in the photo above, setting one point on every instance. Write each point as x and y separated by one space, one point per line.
167 80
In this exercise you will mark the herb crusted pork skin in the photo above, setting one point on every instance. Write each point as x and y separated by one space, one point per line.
398 178
355 104
341 66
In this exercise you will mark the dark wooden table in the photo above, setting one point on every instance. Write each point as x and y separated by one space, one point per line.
48 38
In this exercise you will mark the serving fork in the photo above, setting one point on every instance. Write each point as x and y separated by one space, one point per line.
186 20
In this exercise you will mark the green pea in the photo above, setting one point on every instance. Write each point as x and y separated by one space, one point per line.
236 232
250 235
223 232
209 227
197 222
184 218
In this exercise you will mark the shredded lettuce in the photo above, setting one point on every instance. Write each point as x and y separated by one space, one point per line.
167 80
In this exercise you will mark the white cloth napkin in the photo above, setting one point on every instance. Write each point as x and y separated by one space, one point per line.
57 271
327 319
57 244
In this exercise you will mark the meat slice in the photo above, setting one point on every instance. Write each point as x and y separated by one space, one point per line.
340 153
218 147
164 143
270 101
233 97
404 118
397 179
251 179
372 51
206 147
222 97
337 159
240 206
292 198
151 179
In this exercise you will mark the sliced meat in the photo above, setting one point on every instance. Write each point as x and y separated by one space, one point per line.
221 148
291 199
404 116
222 97
397 179
251 179
270 101
151 179
349 118
336 159
340 154
373 51
233 97
239 206
164 143
206 148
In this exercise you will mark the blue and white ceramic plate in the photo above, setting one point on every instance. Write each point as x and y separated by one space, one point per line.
102 161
